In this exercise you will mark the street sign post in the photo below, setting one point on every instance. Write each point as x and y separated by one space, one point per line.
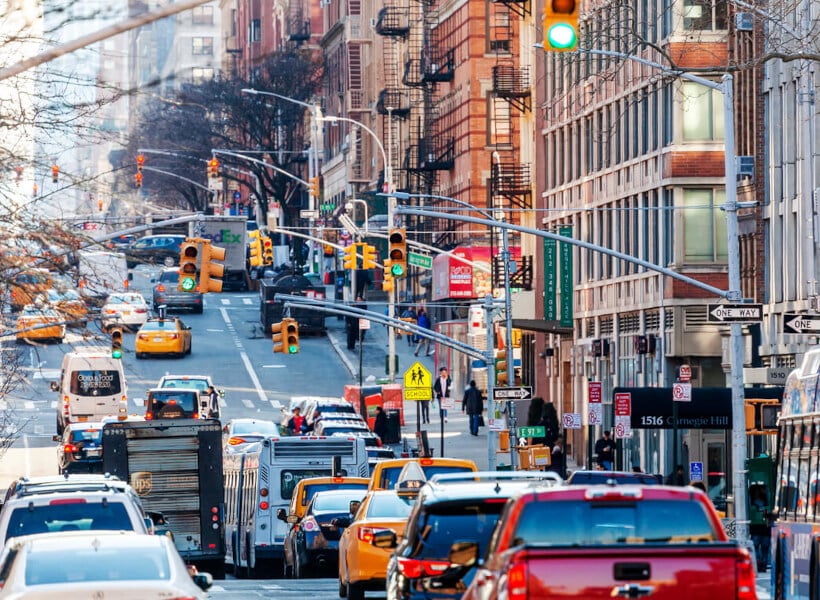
685 373
595 395
500 394
421 261
682 392
695 471
734 313
793 323
571 421
623 415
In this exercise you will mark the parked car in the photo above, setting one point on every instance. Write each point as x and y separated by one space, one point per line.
163 336
124 309
80 448
155 250
166 292
99 564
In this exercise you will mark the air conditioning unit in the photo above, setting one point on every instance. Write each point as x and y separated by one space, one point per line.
745 166
744 21
373 22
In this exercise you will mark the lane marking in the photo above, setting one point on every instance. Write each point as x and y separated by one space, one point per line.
225 301
273 366
263 397
247 403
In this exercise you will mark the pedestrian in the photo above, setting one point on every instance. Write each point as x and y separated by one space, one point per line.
473 405
380 424
676 478
557 458
213 402
410 313
314 420
423 323
296 424
605 451
441 389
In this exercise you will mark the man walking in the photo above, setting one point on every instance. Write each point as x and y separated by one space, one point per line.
605 451
441 388
423 322
473 405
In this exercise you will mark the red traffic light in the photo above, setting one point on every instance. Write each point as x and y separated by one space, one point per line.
55 172
140 162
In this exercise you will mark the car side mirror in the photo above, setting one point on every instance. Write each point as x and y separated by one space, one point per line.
464 553
293 519
384 539
55 387
56 438
282 515
203 581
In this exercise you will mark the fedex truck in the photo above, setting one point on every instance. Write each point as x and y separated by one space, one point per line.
229 233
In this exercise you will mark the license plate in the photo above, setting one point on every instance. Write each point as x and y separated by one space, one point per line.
82 419
93 452
158 339
126 312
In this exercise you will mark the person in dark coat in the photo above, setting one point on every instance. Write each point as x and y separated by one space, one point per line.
676 478
380 425
557 457
473 405
605 452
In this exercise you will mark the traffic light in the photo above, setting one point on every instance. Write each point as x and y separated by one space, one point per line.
761 416
350 256
55 173
210 273
277 329
313 187
267 250
116 342
213 168
188 254
561 25
398 252
255 248
387 283
368 256
291 335
140 162
501 373
138 180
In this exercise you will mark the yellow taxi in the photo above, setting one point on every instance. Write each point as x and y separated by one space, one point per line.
39 323
27 285
363 566
386 473
163 336
302 494
69 304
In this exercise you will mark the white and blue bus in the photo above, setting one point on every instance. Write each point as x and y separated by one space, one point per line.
260 480
796 532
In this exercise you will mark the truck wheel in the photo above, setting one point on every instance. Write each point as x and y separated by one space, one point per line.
355 591
217 569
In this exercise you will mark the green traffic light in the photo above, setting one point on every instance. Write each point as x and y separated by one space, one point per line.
562 35
116 354
397 270
293 349
188 284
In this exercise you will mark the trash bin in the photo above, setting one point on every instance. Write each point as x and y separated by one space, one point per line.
393 434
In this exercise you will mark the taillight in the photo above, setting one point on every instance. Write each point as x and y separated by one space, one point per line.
310 524
160 288
59 501
413 568
746 585
235 441
263 492
149 416
174 336
517 582
141 311
366 534
264 505
70 448
196 415
426 462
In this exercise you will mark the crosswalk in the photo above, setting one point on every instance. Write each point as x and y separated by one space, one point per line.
235 301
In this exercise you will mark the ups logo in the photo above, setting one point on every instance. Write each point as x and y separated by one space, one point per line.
141 482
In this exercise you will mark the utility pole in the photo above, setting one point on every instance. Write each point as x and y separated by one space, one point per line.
489 358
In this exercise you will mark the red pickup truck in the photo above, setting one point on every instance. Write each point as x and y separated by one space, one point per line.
606 541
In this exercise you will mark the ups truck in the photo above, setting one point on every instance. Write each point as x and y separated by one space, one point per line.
175 466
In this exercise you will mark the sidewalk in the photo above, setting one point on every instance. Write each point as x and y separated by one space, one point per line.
458 443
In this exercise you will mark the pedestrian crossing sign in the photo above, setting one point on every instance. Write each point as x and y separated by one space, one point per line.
418 383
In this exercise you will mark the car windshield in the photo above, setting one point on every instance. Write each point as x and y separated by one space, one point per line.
574 523
442 524
173 404
312 489
195 384
343 429
389 506
169 276
96 564
390 476
591 477
95 383
336 408
333 502
167 325
68 514
87 435
125 299
261 427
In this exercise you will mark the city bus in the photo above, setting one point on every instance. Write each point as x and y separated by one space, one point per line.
260 480
795 541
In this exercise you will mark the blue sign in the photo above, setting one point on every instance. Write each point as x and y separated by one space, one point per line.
237 195
695 471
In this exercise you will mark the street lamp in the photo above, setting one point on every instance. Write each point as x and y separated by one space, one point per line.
349 206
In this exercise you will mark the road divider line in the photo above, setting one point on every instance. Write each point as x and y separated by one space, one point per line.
246 361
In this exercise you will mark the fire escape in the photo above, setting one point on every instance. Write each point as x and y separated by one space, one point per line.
510 179
355 104
393 24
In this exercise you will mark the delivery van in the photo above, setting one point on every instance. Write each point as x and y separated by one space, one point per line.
91 386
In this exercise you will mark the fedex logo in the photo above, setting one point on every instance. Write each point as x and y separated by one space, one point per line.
225 236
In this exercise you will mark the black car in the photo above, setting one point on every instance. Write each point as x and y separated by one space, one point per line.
166 292
449 509
154 250
80 449
610 477
316 535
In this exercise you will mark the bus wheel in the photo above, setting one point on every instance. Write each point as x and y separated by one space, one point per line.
217 569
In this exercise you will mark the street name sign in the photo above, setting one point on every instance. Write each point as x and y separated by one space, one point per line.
793 323
308 214
420 260
532 431
418 383
512 393
734 313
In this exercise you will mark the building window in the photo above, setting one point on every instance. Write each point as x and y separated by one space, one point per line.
203 15
704 15
255 31
702 112
202 74
203 46
704 226
500 118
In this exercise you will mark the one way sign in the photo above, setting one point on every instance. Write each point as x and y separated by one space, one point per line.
793 323
734 313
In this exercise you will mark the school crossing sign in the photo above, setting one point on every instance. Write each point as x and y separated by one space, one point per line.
418 383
